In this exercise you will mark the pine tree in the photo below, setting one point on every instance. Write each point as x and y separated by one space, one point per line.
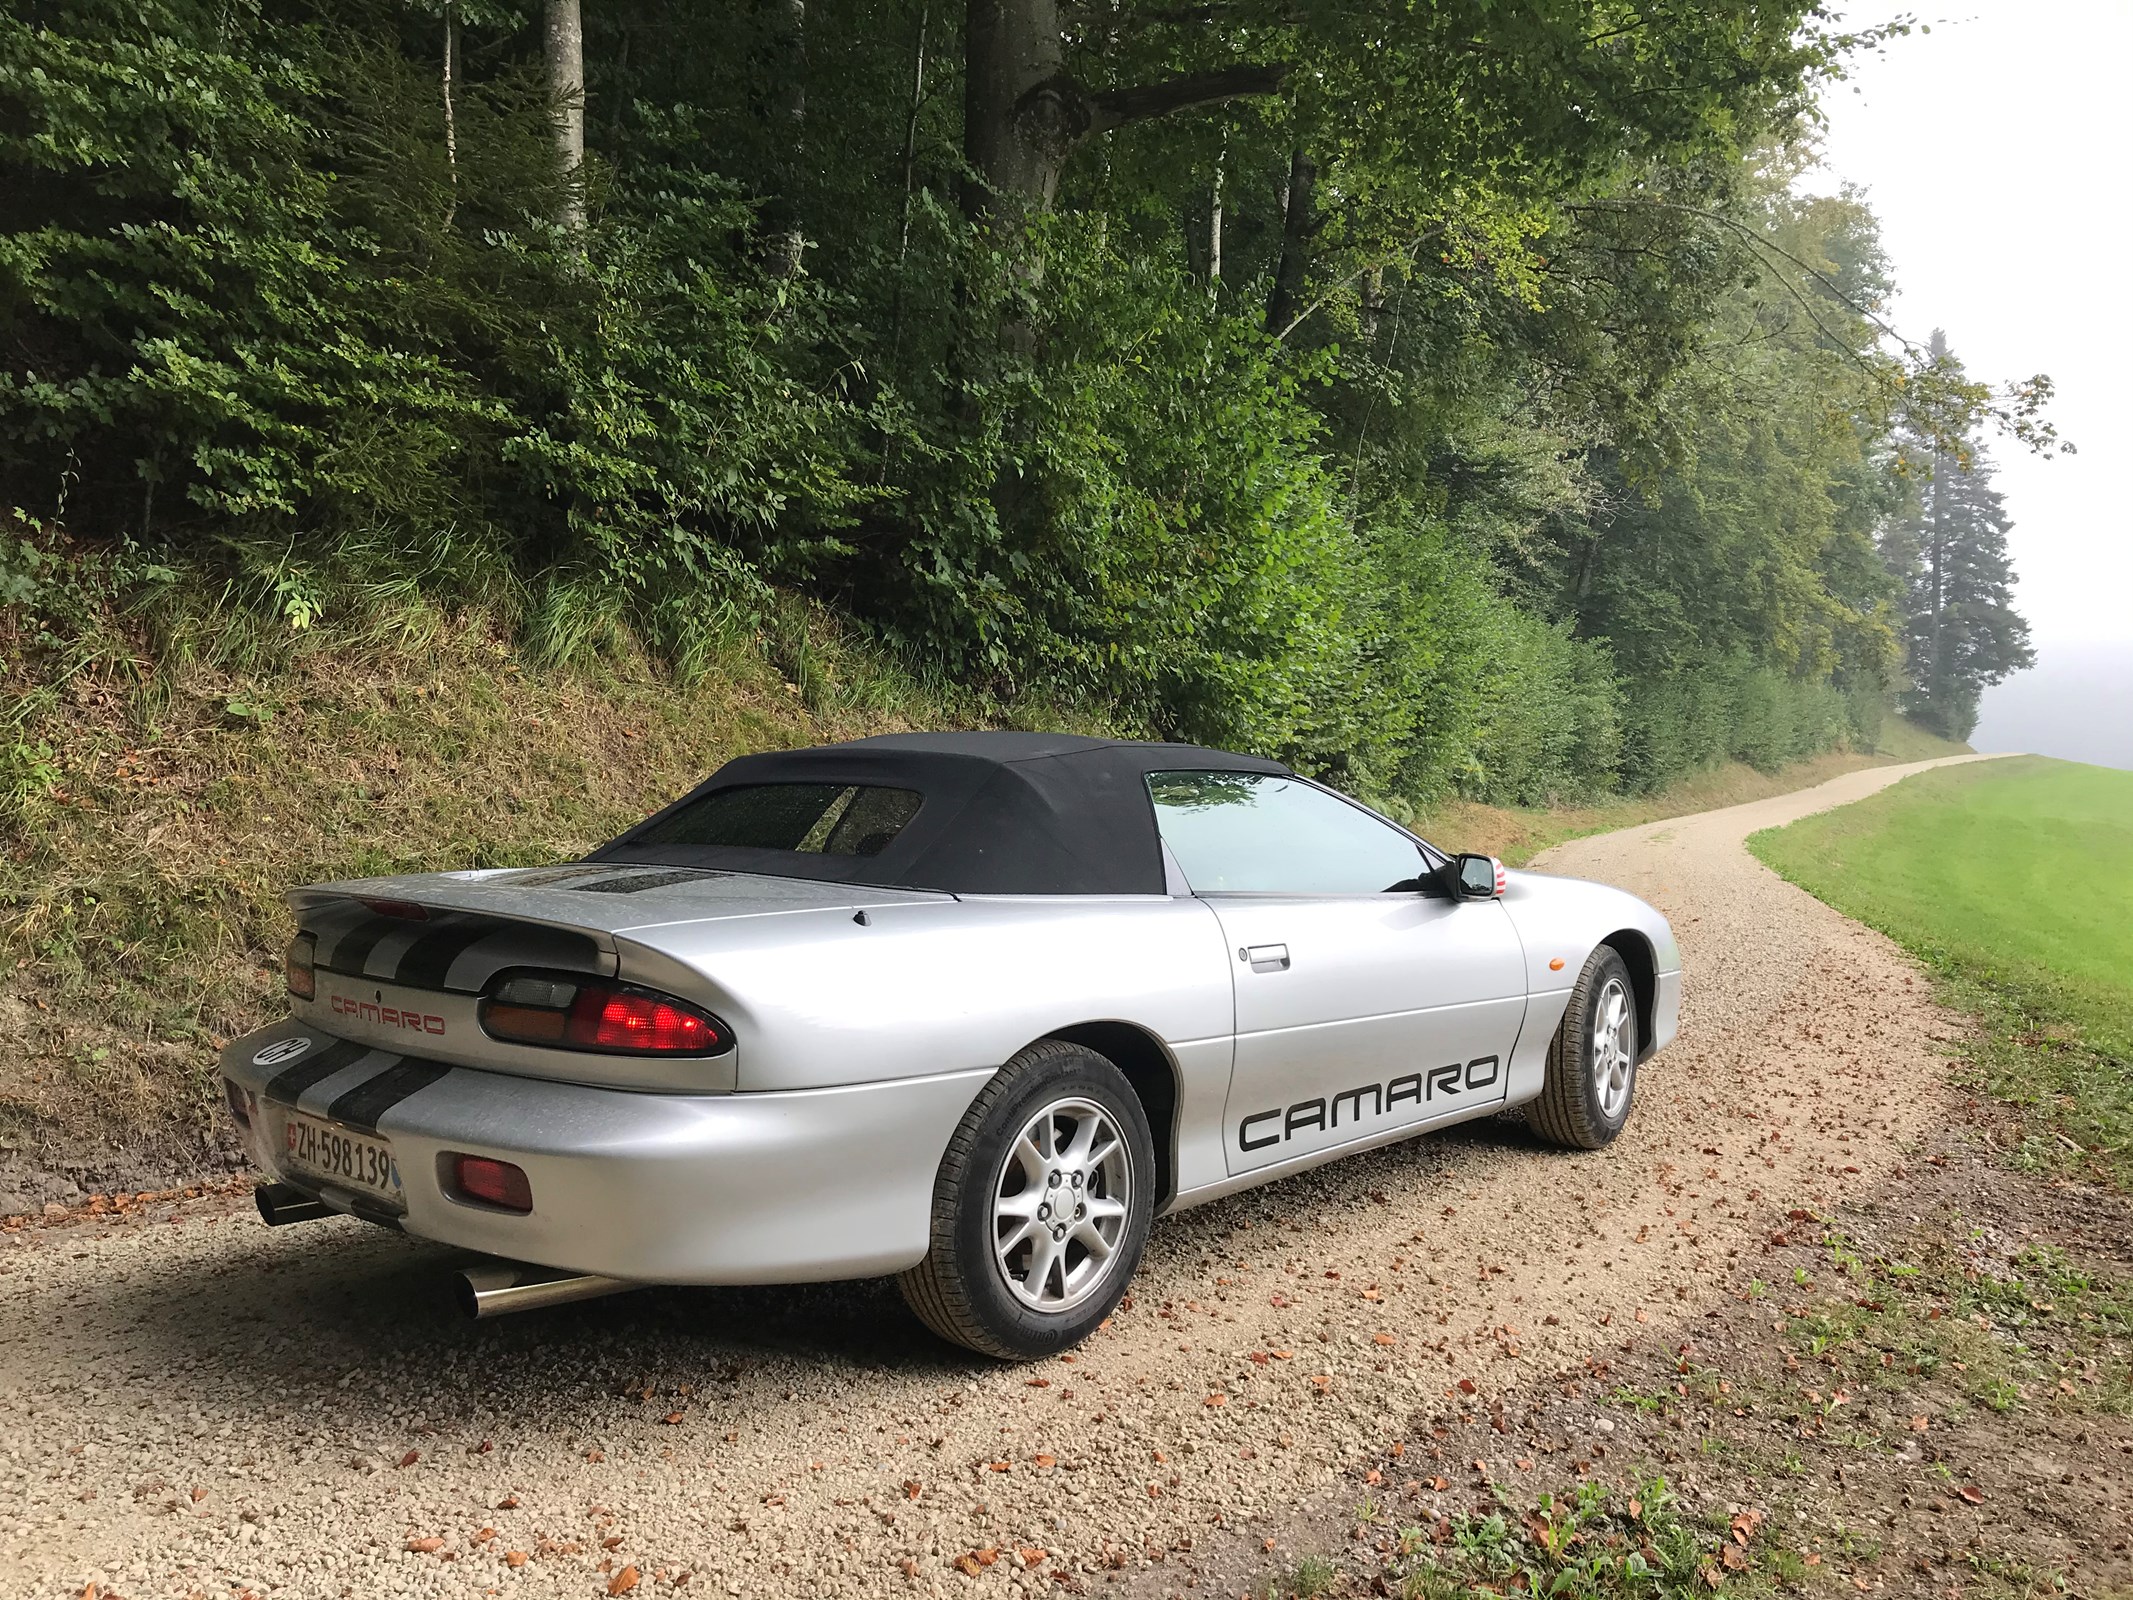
1950 548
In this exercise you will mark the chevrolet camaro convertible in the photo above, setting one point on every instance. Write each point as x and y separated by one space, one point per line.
972 1009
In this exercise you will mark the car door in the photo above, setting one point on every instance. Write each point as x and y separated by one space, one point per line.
1366 999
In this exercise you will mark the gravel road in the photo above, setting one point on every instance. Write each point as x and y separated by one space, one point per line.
193 1405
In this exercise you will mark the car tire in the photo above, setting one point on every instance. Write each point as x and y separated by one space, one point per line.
1592 1061
1019 1150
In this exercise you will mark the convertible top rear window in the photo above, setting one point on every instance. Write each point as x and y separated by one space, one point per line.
830 819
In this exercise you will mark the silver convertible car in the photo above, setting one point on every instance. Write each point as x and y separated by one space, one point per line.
968 1008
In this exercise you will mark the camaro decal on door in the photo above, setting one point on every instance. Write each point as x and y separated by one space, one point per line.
1416 1090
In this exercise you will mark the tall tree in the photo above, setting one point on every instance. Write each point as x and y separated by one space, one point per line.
1963 632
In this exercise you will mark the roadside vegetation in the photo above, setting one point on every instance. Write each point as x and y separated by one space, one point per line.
2010 880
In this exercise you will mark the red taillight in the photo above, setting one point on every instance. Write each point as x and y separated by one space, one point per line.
538 1008
239 1100
494 1183
405 910
627 1020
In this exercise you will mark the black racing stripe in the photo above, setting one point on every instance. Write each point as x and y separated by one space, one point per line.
361 1106
353 948
424 963
309 1071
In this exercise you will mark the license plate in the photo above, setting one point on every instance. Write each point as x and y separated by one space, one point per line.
342 1157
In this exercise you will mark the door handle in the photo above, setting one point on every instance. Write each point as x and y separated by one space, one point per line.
1266 957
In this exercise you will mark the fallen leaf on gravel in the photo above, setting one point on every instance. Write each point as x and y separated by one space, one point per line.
1032 1554
485 1536
913 1488
1216 1400
611 1541
1001 1466
1972 1493
508 1503
1733 1558
1442 1484
596 1455
908 1566
1466 1385
1038 1383
427 1546
1372 1294
671 1418
623 1582
199 1495
987 1556
1044 1460
1713 1576
967 1565
514 1558
1383 1338
1258 1358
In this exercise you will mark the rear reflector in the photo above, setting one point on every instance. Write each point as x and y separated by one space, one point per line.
239 1100
494 1183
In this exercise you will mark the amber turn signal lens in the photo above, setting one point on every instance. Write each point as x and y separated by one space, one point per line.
297 967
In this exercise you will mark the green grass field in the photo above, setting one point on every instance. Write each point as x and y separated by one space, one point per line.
2014 880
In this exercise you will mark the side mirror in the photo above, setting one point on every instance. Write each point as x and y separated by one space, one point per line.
1476 877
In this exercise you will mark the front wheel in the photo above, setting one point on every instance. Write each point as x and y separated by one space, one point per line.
1592 1061
1041 1208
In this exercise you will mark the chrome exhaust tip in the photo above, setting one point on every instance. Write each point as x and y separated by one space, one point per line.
497 1288
282 1203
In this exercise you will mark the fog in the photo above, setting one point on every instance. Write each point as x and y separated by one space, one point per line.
2076 702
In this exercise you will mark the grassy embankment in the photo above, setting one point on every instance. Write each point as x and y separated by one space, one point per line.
157 797
2012 880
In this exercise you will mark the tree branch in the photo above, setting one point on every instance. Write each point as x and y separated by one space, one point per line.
1113 108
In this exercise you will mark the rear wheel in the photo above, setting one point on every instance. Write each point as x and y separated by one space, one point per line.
1041 1208
1592 1061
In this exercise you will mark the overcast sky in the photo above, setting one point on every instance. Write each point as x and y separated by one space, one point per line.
1998 153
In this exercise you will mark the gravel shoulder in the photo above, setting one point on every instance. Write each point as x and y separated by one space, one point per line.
192 1404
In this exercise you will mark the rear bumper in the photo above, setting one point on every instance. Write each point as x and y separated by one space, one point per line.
655 1188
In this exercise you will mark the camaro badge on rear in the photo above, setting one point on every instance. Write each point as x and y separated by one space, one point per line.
282 1050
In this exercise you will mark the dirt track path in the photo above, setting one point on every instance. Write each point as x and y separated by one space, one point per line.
190 1404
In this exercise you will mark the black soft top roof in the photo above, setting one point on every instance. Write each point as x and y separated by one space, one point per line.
1001 813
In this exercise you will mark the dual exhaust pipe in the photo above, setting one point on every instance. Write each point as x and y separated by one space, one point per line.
486 1289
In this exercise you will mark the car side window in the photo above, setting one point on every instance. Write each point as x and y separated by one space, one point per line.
1260 833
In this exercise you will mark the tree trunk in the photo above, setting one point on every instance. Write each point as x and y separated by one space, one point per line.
451 117
783 241
1214 225
564 36
1018 126
1285 304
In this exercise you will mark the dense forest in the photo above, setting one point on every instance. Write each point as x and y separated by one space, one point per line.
1448 397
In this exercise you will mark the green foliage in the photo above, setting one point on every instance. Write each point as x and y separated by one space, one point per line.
1559 473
